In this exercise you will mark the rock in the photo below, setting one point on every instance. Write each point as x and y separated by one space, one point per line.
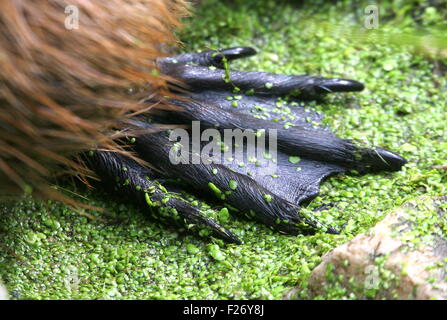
3 293
403 257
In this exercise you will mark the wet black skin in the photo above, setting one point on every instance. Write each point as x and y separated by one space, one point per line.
271 199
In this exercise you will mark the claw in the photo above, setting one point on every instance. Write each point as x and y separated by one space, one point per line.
382 159
339 85
231 54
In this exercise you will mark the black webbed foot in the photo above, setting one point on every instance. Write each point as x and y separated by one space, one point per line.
237 191
268 187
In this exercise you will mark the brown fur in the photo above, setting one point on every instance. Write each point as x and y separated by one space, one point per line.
62 91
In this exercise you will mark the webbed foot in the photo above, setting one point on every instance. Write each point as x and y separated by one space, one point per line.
268 185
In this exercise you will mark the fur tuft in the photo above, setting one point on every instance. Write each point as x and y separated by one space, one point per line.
63 91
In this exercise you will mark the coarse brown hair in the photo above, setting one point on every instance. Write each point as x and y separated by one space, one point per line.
64 91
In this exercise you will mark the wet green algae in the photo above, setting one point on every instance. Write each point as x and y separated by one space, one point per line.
49 251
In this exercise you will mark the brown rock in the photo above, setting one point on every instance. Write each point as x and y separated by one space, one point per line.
3 293
402 257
